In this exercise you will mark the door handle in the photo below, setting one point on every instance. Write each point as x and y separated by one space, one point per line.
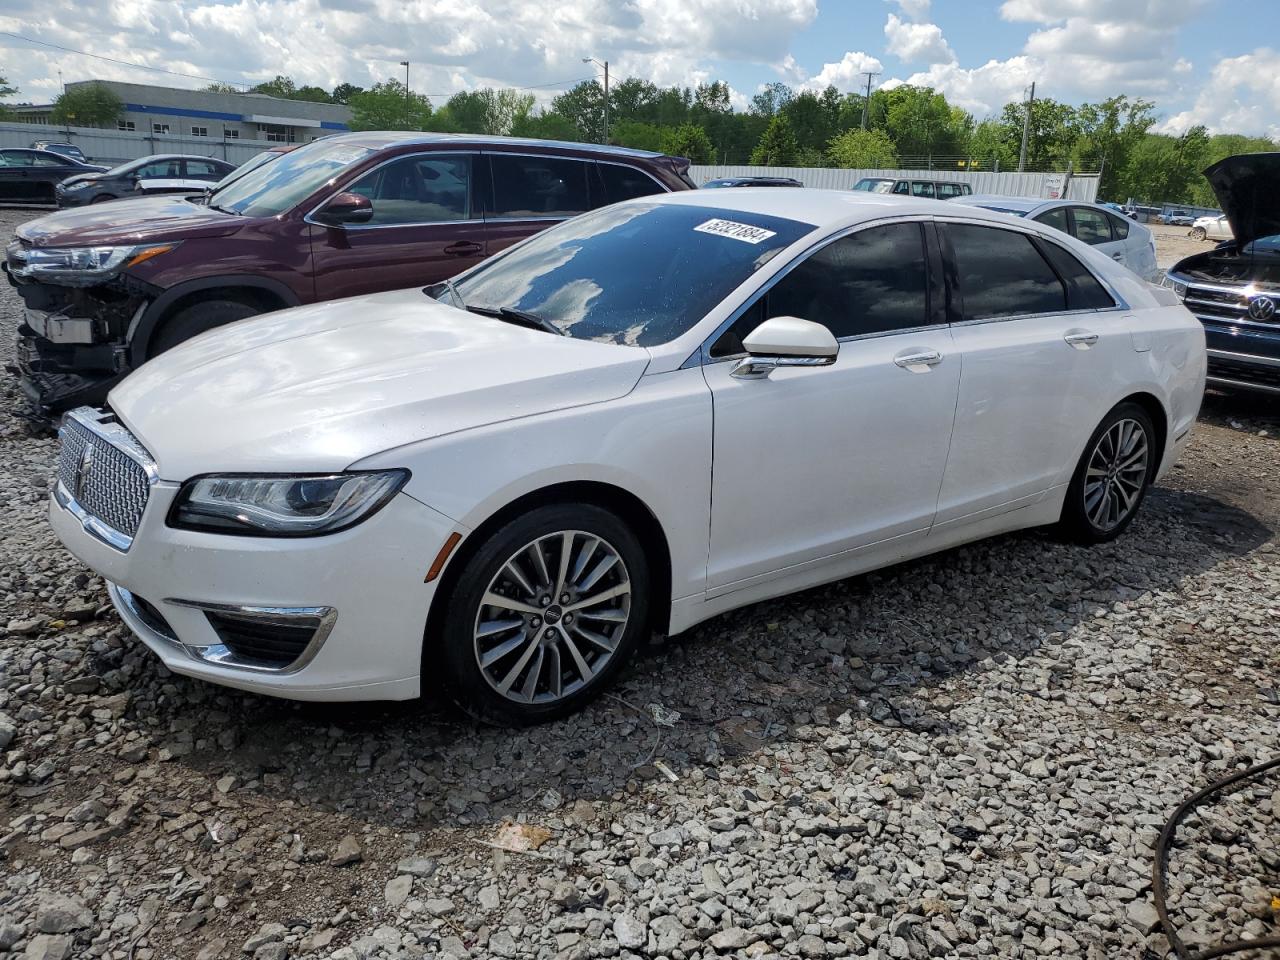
1081 339
462 248
918 361
1118 257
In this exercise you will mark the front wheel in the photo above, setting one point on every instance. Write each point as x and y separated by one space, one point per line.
196 319
1198 233
543 615
1112 476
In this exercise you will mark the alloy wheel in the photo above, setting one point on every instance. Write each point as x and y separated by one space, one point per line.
552 617
1116 474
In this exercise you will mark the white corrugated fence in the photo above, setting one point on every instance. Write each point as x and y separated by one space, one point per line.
829 178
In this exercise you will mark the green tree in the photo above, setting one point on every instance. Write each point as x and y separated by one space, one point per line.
920 121
87 105
772 98
1052 134
992 145
863 149
385 106
1108 133
278 86
633 133
583 106
343 92
777 146
6 90
313 94
688 140
219 86
1164 169
1220 146
546 126
632 99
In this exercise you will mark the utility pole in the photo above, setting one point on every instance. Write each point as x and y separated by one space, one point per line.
866 102
1026 129
408 112
605 65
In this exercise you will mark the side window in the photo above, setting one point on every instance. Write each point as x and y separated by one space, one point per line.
1091 225
1001 274
1119 226
17 158
202 170
1084 292
948 190
902 186
529 187
872 281
49 160
922 188
1056 218
623 183
419 189
161 169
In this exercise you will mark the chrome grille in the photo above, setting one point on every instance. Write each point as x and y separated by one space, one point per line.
106 473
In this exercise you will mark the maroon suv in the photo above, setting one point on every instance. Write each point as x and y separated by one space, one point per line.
107 287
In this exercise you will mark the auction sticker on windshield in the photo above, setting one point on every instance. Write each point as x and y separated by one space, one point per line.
735 231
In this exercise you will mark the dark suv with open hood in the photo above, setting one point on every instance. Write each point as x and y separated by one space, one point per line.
1234 289
108 287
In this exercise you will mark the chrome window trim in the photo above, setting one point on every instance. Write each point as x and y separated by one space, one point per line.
308 217
116 435
220 655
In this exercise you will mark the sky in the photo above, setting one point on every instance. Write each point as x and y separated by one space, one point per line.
1200 61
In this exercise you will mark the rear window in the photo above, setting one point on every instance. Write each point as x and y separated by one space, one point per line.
948 190
626 183
922 188
1002 274
1084 292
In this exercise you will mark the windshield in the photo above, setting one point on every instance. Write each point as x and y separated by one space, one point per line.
276 187
1264 246
127 167
874 185
637 273
253 163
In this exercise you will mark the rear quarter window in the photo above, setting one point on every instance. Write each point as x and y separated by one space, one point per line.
622 182
1084 292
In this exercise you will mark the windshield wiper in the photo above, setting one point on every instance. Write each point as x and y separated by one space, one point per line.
226 210
522 318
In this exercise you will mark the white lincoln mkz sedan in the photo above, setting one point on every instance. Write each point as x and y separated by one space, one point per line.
634 421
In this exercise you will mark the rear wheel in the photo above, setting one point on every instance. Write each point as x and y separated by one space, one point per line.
543 615
196 319
1198 233
1112 476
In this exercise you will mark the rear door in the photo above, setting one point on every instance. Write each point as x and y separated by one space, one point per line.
1092 227
426 227
1042 343
531 192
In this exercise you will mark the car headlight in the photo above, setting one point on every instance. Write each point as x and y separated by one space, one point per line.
86 265
283 506
78 185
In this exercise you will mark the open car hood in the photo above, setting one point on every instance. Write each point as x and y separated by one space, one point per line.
1248 190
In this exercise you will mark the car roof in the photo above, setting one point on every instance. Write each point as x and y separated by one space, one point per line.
379 139
175 156
826 209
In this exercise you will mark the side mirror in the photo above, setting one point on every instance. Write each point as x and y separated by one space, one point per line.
346 207
786 342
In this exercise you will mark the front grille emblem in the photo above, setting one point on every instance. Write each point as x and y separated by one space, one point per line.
86 467
1262 308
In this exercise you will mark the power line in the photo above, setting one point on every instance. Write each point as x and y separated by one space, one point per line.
123 63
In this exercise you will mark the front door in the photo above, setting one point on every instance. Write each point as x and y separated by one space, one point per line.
426 227
816 461
1038 366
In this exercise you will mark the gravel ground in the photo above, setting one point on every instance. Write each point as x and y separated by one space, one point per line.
969 755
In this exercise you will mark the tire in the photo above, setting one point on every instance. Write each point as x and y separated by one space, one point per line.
1099 507
1198 233
195 319
101 198
475 655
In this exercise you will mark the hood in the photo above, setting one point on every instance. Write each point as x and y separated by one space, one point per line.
1248 190
87 177
320 387
140 220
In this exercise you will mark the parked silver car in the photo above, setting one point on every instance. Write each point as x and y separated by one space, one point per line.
1123 240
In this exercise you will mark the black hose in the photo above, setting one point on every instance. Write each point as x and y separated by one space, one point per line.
1162 863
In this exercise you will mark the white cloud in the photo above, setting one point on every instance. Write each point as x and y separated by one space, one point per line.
846 74
451 44
915 9
1240 97
917 42
1055 11
981 90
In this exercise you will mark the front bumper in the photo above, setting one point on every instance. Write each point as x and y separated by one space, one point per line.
1243 357
366 581
72 198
